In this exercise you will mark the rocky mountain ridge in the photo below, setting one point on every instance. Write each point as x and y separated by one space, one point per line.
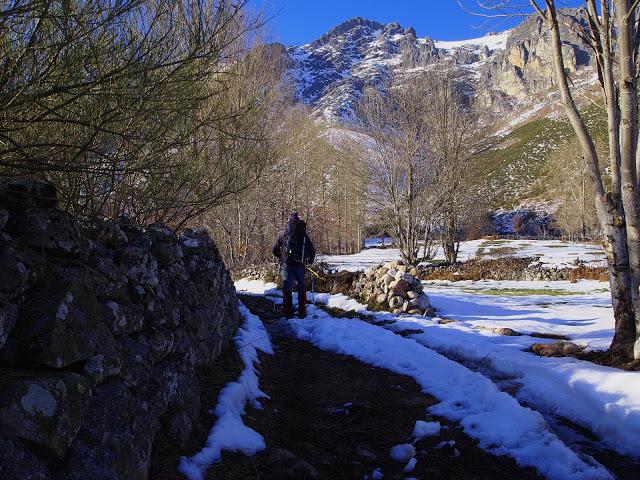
507 72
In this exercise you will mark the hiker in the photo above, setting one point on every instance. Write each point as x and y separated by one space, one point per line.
294 249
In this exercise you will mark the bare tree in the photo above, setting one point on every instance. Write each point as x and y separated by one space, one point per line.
305 172
571 188
451 134
613 32
395 145
123 104
417 143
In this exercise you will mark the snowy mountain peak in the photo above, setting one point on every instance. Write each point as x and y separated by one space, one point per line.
353 28
504 71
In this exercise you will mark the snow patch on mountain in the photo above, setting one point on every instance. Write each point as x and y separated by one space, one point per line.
493 41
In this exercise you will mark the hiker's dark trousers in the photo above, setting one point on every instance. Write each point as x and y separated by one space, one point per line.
293 277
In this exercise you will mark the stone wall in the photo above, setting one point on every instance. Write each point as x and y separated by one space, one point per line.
102 327
510 268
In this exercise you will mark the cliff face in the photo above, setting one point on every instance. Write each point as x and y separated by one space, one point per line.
504 70
102 327
524 69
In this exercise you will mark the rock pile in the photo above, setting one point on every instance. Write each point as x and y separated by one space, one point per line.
394 286
102 329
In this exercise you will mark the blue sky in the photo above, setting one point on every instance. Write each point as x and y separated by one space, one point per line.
296 22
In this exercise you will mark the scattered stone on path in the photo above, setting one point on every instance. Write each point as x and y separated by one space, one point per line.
509 332
561 348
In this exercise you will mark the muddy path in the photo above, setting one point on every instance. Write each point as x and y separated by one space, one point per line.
333 417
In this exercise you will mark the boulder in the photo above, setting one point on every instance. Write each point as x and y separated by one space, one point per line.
122 319
59 329
20 194
179 429
8 318
111 235
13 275
405 306
95 369
401 288
396 302
17 462
44 410
52 231
421 302
4 218
561 348
408 278
115 441
570 348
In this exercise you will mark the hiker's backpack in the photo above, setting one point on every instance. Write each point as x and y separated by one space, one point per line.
294 242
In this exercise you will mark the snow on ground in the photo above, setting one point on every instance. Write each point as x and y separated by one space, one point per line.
551 253
497 420
581 311
229 432
403 452
602 399
254 287
426 429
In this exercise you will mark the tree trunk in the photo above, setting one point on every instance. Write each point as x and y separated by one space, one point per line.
628 148
449 243
611 215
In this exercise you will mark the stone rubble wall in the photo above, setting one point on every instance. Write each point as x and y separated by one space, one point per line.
102 329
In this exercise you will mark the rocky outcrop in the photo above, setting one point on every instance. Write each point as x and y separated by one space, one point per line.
525 69
394 287
102 328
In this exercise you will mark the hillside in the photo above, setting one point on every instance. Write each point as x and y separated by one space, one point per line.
516 163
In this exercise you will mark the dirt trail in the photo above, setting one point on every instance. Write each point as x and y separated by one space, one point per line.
333 417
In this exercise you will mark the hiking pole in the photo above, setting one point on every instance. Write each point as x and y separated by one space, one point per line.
313 295
313 300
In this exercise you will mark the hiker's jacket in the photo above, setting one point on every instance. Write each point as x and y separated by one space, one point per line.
278 249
